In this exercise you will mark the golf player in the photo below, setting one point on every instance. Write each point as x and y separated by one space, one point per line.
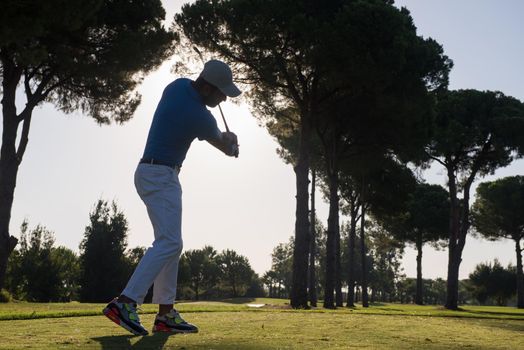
180 117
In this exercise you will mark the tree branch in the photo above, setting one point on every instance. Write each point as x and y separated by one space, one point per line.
46 92
33 71
435 159
24 138
27 86
333 92
13 241
302 79
34 98
478 162
290 86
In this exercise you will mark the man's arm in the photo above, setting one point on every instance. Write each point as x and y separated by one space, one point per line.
227 143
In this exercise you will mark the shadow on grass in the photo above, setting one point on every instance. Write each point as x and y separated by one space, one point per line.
158 341
515 326
155 341
237 300
480 312
384 309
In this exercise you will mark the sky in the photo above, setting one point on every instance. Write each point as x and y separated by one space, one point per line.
247 204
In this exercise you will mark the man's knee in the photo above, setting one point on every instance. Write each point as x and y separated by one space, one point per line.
174 246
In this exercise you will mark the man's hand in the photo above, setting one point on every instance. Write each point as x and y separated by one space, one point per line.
229 137
231 142
234 151
227 143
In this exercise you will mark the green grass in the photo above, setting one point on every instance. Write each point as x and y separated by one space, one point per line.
231 324
490 312
24 310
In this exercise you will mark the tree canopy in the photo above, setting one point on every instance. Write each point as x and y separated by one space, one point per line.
203 269
425 220
86 55
498 213
236 272
39 271
104 267
426 216
498 209
492 281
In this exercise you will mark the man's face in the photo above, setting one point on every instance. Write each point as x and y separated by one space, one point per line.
213 96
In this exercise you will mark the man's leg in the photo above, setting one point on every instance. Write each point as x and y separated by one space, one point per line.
164 287
161 192
164 293
149 267
159 188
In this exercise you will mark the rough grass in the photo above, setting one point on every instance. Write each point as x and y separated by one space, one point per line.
231 324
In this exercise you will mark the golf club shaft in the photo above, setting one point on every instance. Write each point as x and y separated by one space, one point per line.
223 118
220 108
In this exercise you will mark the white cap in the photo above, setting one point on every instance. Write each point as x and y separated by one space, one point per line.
218 74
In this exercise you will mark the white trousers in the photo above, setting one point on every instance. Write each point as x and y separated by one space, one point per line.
160 190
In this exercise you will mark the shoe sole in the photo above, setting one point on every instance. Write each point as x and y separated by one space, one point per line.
164 329
174 331
113 316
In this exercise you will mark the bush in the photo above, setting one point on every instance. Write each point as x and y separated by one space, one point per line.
5 296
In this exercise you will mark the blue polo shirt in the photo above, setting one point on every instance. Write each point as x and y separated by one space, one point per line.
180 117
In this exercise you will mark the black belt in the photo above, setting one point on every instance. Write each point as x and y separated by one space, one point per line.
159 162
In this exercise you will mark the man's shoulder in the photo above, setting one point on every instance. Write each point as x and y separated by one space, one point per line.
179 83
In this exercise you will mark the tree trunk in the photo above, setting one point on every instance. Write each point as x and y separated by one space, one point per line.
9 161
338 269
459 221
418 296
351 251
331 244
339 298
520 275
363 254
312 245
454 259
301 249
460 229
453 280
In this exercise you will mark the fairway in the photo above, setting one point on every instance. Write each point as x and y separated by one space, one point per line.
236 326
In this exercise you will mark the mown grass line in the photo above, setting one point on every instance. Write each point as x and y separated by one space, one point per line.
242 308
149 309
35 316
